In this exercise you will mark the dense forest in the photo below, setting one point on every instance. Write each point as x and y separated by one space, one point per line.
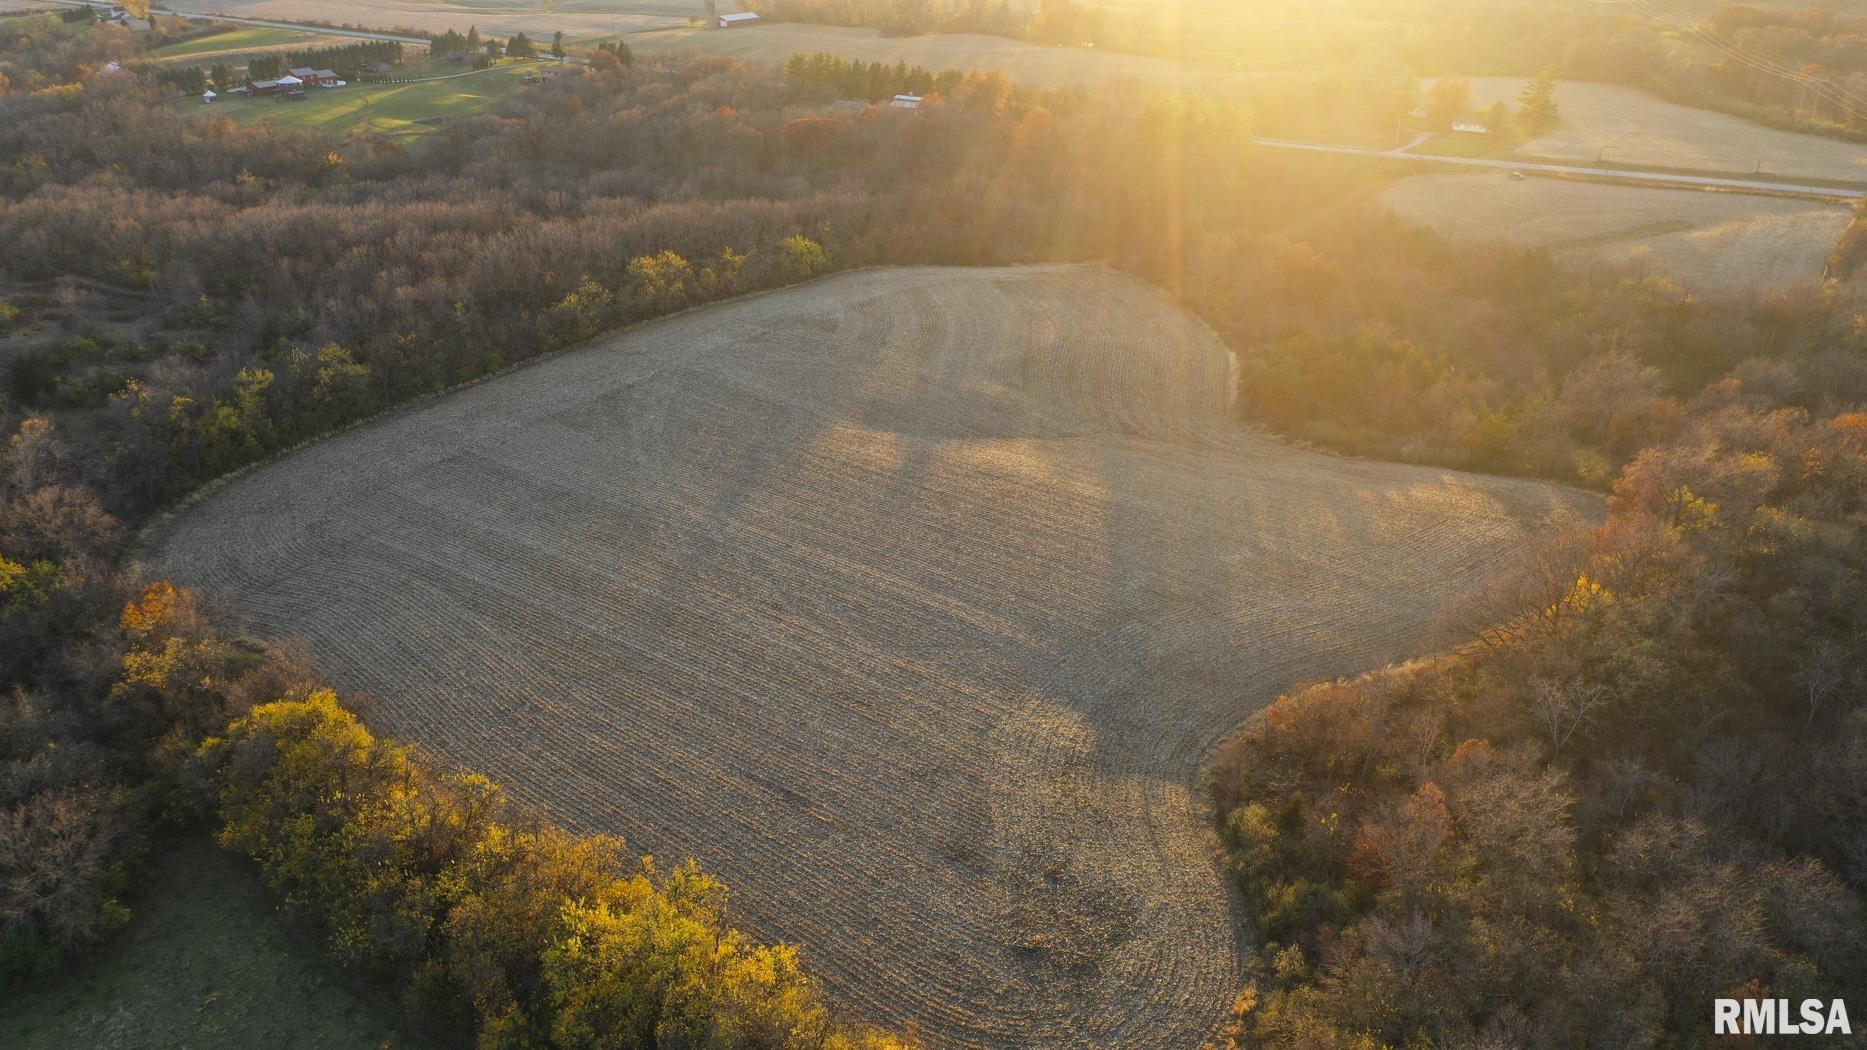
1638 788
1575 794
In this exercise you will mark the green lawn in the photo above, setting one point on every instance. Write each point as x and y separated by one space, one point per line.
251 38
204 962
1463 144
395 109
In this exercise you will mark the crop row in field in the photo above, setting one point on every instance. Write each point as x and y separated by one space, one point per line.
909 601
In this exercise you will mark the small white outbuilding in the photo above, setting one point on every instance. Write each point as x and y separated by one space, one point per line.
208 96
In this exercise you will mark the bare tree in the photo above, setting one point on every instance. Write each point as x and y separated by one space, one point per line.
1540 597
1825 670
1562 709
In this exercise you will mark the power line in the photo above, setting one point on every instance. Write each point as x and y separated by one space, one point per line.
1823 88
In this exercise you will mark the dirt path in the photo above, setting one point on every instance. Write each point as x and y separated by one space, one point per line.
908 601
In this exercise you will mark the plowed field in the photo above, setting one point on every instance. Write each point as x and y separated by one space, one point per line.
908 601
1718 244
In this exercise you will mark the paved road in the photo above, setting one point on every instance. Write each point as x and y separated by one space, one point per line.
1656 177
267 23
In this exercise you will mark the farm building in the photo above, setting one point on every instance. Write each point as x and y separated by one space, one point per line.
905 102
314 77
382 68
208 96
735 21
1470 127
285 85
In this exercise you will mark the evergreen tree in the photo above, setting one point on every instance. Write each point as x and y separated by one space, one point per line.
472 43
1536 107
521 46
557 44
1498 119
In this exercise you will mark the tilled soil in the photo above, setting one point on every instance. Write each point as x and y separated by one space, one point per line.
908 601
1716 244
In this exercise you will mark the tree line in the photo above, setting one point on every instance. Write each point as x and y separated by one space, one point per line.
346 60
821 77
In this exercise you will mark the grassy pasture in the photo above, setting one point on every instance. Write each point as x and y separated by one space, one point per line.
205 962
908 601
1460 144
241 41
1713 243
392 109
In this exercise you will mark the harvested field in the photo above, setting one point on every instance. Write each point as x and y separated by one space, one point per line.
1605 122
908 601
1713 243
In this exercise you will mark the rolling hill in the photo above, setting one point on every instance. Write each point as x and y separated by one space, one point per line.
908 601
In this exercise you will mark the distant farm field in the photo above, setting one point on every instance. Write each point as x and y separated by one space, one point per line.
577 19
1714 243
908 601
1624 126
404 109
